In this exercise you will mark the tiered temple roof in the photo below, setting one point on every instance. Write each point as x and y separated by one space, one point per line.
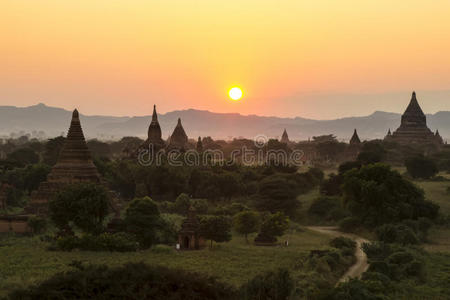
154 131
355 138
285 137
413 127
178 139
74 165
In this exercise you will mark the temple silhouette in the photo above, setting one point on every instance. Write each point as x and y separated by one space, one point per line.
413 128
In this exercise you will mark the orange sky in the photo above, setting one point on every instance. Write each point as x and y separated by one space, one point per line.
318 59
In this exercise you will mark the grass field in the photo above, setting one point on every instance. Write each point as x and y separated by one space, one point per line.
436 191
25 260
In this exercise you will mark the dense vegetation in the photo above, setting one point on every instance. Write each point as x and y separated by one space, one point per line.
260 203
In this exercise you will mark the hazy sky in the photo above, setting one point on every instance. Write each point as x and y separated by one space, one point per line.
314 58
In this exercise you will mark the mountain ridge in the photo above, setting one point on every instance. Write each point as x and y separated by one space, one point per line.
54 121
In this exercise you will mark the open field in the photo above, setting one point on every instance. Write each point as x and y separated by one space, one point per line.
25 260
436 191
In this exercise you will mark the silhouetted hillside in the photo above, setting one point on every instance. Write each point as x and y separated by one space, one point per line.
53 121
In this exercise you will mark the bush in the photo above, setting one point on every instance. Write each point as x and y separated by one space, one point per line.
37 224
343 242
322 205
349 224
130 281
421 167
162 249
120 242
273 226
272 285
401 234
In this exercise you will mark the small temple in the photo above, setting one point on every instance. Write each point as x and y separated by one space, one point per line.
355 138
413 127
154 136
74 165
285 137
179 139
189 237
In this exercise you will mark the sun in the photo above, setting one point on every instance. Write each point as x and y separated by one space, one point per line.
235 93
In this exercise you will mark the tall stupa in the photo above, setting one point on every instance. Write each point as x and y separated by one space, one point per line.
74 165
413 128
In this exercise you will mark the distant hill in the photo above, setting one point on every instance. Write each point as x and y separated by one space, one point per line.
54 121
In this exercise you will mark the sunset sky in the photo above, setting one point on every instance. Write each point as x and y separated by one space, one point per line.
318 59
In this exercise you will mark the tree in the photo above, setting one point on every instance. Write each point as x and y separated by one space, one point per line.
182 204
273 226
421 167
84 204
142 218
277 193
377 195
215 228
24 156
246 222
52 149
372 152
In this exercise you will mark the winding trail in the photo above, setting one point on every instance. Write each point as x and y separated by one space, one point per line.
361 264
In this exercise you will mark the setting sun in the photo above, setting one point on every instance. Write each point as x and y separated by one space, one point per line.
235 93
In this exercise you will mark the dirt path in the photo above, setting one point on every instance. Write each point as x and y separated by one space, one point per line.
361 264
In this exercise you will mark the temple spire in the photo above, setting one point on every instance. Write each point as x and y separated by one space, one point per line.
355 138
285 137
155 115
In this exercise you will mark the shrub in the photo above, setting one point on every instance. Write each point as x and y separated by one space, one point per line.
67 243
120 242
162 249
322 205
349 224
130 281
273 226
401 234
276 285
343 242
37 224
421 167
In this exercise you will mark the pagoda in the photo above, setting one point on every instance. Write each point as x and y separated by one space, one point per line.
285 137
74 165
154 135
189 236
178 140
413 127
355 138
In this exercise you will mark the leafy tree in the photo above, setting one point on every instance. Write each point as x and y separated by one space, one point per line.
276 193
84 204
332 185
322 206
182 204
52 149
421 167
24 156
247 222
372 152
216 228
377 195
142 218
273 226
